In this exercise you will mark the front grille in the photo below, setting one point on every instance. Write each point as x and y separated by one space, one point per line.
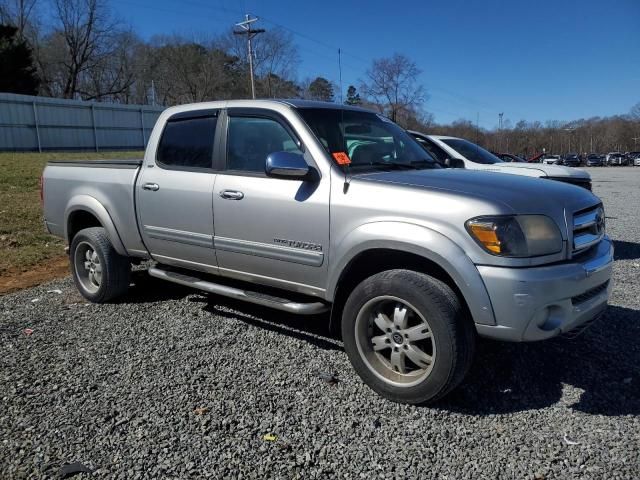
580 182
589 294
588 228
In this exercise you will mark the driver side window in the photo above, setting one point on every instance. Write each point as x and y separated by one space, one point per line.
435 151
251 139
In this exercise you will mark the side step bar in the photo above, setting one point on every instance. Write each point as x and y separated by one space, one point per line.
244 295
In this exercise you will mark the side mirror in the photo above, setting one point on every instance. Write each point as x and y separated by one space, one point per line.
287 165
454 163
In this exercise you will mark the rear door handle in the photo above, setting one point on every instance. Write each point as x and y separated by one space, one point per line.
151 186
231 195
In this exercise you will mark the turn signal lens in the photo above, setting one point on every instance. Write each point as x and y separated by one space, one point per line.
485 233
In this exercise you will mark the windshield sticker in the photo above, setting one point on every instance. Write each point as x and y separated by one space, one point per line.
342 158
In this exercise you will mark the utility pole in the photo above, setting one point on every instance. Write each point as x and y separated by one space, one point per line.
570 130
500 130
635 141
250 33
153 93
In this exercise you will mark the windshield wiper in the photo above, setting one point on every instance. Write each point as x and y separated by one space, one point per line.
420 164
392 165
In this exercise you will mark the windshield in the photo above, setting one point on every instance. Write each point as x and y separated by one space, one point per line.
365 140
471 151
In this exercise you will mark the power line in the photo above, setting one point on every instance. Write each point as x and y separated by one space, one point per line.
219 8
245 29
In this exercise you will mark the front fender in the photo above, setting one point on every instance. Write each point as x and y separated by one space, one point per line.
89 204
418 240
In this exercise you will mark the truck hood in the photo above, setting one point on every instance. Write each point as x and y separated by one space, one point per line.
518 194
538 170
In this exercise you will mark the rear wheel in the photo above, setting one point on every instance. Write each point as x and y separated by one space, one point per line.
99 272
407 336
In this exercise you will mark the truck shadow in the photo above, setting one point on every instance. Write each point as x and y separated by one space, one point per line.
313 329
626 250
603 363
147 289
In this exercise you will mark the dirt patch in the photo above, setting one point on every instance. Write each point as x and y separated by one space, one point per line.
17 279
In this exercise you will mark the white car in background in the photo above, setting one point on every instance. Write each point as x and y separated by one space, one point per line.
551 159
616 158
453 152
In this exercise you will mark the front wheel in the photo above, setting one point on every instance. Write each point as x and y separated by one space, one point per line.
407 336
99 272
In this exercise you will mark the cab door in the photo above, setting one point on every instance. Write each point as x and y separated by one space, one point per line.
174 193
269 230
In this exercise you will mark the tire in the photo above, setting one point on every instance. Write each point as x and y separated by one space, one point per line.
430 308
100 273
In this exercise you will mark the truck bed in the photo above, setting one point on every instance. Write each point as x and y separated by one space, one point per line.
107 183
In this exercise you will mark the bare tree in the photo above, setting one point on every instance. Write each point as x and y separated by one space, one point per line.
193 71
113 76
635 112
84 42
18 13
276 58
392 84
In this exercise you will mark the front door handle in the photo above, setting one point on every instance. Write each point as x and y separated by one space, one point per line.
154 187
231 195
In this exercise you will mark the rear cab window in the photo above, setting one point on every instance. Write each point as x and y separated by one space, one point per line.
187 141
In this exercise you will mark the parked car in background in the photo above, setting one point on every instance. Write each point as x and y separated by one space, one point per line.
616 159
453 152
509 157
571 160
634 158
536 158
311 207
552 160
595 160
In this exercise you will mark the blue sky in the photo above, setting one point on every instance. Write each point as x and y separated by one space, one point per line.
535 60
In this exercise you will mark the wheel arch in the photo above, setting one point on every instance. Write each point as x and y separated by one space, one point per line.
84 211
372 249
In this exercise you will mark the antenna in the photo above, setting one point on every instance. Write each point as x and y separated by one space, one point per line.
347 173
478 128
250 33
340 73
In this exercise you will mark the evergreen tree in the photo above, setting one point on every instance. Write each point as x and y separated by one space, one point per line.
17 70
353 97
321 89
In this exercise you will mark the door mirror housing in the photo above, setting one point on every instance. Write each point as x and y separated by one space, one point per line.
287 165
454 163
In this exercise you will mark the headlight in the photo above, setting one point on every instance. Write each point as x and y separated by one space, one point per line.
516 236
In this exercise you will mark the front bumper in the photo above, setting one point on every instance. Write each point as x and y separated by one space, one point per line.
542 302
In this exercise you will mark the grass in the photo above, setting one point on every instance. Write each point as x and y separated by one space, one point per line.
24 242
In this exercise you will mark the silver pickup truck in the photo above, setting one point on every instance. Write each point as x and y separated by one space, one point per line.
310 207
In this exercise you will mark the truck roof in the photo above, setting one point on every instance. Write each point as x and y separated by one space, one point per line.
248 103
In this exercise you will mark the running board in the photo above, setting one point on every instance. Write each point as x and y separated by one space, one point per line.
244 295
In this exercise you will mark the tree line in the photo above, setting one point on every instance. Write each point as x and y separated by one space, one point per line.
83 51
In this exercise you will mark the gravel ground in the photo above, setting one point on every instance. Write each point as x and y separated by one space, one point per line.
174 384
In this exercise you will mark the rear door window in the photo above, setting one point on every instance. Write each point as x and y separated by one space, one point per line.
187 142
